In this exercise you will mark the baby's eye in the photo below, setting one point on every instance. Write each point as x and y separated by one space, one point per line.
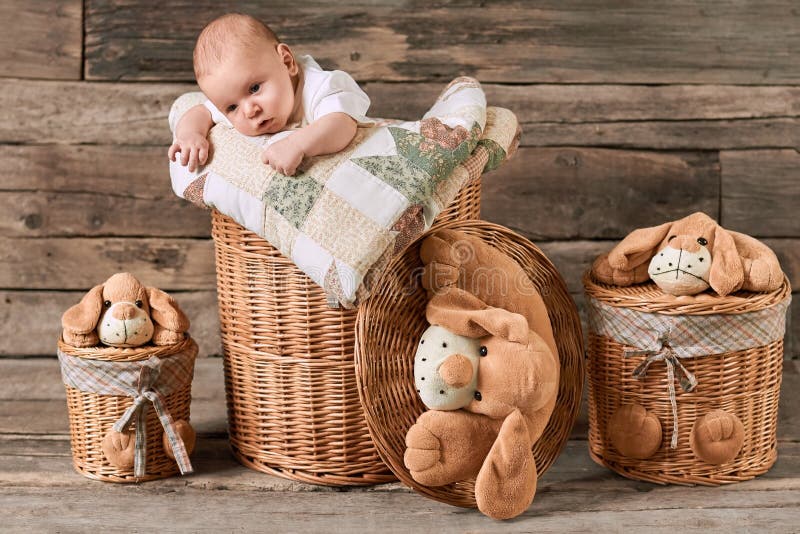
255 87
231 108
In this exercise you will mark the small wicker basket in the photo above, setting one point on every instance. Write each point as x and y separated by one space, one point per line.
293 405
91 415
391 323
745 383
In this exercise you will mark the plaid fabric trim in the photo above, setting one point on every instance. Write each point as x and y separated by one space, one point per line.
147 382
668 338
689 336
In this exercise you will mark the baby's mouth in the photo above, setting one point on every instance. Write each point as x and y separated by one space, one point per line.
264 124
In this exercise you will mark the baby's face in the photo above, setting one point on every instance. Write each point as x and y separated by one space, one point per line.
253 88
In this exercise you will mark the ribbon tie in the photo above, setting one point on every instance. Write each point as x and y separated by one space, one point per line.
686 379
148 393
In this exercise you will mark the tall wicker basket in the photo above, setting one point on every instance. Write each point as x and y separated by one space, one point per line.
293 404
91 415
391 323
744 383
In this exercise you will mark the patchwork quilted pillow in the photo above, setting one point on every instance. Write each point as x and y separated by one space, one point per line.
343 215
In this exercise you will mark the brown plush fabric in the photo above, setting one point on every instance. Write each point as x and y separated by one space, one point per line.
737 261
479 292
187 434
119 449
456 370
717 437
635 432
79 322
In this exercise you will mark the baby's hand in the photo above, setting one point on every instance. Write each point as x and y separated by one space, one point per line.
284 156
193 148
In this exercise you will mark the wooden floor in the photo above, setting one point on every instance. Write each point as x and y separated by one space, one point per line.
40 492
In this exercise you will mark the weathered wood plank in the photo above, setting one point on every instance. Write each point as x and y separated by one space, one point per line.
80 263
668 135
109 169
566 193
87 214
761 191
41 39
41 112
593 42
38 315
668 117
353 511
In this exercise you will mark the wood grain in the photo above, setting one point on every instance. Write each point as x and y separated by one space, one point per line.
88 214
38 315
41 39
761 191
668 117
592 42
567 193
80 263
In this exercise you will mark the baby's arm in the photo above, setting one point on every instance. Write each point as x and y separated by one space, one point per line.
326 135
191 137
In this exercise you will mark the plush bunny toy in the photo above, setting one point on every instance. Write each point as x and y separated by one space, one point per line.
479 293
688 256
123 313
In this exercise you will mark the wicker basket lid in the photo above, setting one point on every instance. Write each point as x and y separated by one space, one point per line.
648 297
388 328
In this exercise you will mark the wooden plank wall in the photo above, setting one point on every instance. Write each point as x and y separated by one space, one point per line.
634 113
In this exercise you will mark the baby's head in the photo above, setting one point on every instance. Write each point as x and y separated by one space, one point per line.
246 73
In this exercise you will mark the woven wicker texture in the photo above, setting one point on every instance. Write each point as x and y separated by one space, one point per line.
91 416
745 383
293 405
388 330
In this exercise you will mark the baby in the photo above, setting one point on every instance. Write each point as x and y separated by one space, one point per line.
255 84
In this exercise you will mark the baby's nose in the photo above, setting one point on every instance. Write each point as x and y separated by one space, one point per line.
251 110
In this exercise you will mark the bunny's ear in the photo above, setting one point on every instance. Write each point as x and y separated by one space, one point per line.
638 247
506 483
82 317
466 315
762 270
726 274
165 311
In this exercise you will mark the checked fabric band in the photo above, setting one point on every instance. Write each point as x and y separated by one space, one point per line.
147 382
671 338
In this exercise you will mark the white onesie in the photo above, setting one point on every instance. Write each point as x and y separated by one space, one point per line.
324 92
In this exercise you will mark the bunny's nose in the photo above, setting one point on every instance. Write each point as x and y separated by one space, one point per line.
123 311
456 371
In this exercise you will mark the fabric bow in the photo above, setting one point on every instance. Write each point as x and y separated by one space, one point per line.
148 393
686 379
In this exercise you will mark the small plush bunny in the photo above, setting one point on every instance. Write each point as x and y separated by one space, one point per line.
123 313
688 256
477 292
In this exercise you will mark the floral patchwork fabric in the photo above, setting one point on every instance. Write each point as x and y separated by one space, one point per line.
343 215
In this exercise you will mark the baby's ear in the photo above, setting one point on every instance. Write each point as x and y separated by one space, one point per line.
287 58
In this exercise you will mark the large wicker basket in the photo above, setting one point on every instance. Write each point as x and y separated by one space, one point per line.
293 405
91 415
391 323
744 383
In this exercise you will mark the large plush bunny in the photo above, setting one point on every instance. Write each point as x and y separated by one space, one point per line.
123 313
478 292
690 255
